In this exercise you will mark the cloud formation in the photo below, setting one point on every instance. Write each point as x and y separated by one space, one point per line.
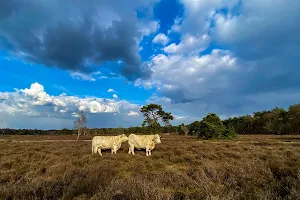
228 57
74 35
232 58
111 90
133 114
161 39
88 77
35 102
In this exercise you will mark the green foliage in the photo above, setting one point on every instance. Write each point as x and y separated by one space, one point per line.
194 128
153 113
183 130
276 121
64 131
212 127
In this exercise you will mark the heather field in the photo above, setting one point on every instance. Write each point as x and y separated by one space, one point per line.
59 167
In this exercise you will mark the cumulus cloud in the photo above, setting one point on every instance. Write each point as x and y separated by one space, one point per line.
190 78
133 113
115 96
161 39
73 35
111 90
176 25
198 15
233 57
35 102
29 99
189 45
146 28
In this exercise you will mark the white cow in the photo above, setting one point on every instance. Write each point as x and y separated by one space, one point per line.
143 142
108 142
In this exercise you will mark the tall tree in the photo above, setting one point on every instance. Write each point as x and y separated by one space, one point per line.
153 113
80 123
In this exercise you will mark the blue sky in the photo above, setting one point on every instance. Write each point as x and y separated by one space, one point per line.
109 58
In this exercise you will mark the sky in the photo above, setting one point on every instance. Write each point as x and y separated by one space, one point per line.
109 58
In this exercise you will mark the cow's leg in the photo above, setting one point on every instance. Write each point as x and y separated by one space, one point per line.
114 150
99 151
131 149
95 149
147 151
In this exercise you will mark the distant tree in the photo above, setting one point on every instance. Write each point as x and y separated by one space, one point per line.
211 127
183 130
153 113
293 118
80 123
120 130
64 131
194 128
85 130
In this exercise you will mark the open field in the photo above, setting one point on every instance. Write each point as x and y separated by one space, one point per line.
57 167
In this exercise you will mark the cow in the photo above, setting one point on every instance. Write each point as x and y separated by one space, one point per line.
143 142
107 142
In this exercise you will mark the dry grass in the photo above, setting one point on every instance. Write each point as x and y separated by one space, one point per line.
249 167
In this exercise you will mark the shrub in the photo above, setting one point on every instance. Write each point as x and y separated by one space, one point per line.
194 128
212 127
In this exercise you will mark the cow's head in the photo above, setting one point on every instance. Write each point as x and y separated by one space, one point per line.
123 137
156 139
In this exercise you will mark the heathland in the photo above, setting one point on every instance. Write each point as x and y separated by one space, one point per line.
59 167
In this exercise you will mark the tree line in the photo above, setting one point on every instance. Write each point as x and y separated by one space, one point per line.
275 121
92 131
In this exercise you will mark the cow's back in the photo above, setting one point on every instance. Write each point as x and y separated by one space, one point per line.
140 141
103 141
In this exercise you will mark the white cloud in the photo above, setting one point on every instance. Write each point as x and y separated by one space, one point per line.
262 28
133 113
190 77
238 80
34 103
87 77
148 27
199 14
111 90
115 96
176 26
189 45
161 39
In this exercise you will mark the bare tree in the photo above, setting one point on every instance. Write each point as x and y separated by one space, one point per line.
79 123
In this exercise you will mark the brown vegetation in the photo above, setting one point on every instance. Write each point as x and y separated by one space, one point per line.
248 167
